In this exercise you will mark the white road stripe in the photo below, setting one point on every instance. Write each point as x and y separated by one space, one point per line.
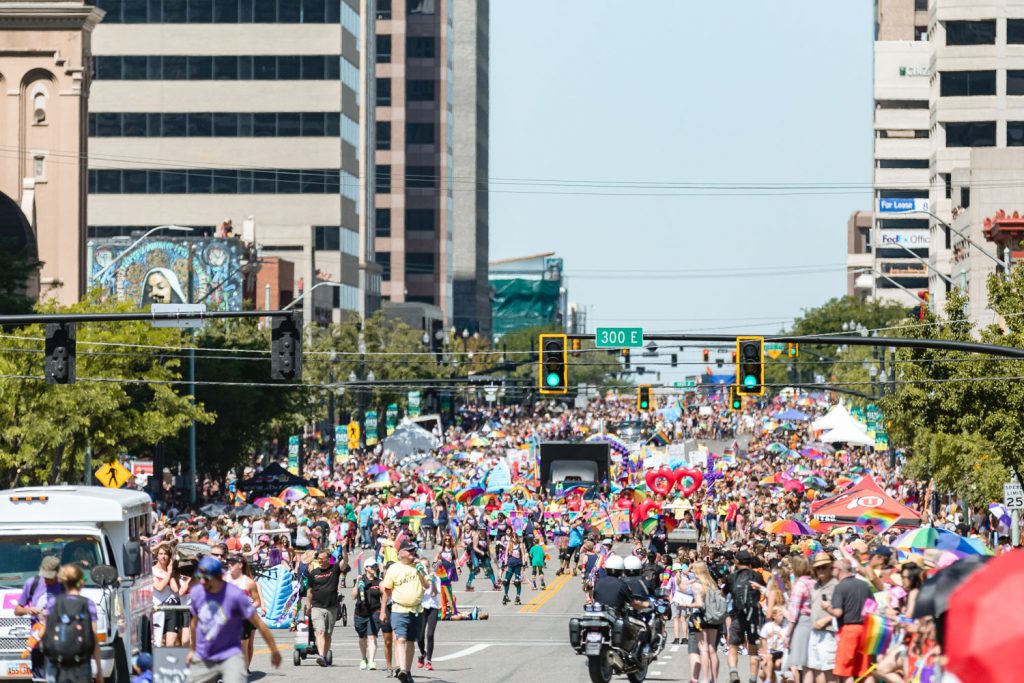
674 648
463 653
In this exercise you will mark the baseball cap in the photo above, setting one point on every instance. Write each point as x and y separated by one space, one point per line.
744 557
48 567
408 545
372 562
882 551
144 661
210 567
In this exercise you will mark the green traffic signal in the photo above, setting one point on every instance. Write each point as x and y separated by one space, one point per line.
750 381
553 379
643 404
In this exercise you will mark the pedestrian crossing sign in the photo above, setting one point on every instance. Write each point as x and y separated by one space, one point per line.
113 475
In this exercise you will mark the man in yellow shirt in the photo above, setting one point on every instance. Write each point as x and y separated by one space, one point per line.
404 584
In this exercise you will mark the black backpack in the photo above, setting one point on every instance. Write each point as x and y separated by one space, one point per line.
746 599
69 638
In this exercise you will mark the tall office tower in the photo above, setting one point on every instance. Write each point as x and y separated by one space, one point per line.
414 138
240 110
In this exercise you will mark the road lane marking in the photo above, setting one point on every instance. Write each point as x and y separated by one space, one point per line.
674 648
545 594
463 653
552 591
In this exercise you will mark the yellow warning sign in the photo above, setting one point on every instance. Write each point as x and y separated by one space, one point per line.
113 475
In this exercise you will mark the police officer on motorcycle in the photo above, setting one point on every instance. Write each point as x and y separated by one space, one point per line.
610 590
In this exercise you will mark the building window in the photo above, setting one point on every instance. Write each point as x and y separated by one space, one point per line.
1015 31
419 134
205 68
971 134
327 238
383 92
1015 133
219 11
902 163
219 181
894 223
383 49
383 135
220 124
422 6
382 227
419 263
384 9
383 175
1014 82
902 134
920 5
421 219
421 47
420 90
967 83
39 166
421 177
384 260
971 32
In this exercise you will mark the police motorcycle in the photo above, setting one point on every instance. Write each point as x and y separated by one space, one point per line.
614 643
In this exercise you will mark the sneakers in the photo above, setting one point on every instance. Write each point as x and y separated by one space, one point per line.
403 676
321 661
496 587
518 601
734 677
429 666
470 589
371 665
504 600
419 663
363 665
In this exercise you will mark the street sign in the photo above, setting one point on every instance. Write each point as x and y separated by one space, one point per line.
353 435
371 428
690 386
293 454
774 349
1013 495
414 404
179 308
390 418
113 475
340 444
619 337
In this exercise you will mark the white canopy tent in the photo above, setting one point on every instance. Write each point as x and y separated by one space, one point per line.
838 416
847 434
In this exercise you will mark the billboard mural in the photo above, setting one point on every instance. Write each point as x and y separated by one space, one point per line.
159 269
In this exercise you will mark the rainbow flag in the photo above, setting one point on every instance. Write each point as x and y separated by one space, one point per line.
659 438
878 632
878 518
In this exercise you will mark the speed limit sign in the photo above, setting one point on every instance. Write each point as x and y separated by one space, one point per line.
1013 495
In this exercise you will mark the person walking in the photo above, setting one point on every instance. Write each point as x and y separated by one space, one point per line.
367 598
707 633
69 643
37 596
746 614
847 606
404 583
239 575
218 611
821 650
322 596
431 604
798 617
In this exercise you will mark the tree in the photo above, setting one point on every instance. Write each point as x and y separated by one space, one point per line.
125 398
965 428
17 268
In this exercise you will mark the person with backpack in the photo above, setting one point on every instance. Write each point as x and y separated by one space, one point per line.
707 618
69 642
367 597
746 614
36 598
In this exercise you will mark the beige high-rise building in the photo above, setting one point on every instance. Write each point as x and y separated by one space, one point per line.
249 110
45 50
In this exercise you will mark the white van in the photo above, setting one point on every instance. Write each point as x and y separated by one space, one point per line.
92 526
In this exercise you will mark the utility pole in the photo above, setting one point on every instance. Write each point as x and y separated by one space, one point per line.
193 475
330 417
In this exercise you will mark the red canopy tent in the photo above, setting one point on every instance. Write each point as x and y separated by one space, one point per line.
864 496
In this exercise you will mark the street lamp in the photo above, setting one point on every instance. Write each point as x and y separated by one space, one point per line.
974 244
310 291
131 247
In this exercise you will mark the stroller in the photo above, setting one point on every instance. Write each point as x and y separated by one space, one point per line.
305 639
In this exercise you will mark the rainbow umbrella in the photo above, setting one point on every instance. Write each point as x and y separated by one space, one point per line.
793 527
924 538
468 494
815 482
294 493
777 448
316 493
272 501
376 469
793 485
843 481
569 490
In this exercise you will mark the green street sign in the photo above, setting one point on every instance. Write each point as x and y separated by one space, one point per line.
690 385
619 337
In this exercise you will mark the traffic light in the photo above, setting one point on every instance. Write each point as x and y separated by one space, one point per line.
576 348
735 400
625 357
59 365
793 350
675 360
286 347
553 359
734 357
750 369
707 355
643 398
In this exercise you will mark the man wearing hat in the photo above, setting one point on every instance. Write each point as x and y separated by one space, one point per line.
821 651
218 611
404 584
35 601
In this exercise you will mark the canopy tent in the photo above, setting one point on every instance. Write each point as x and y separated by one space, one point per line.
847 434
273 478
838 416
410 438
792 414
865 496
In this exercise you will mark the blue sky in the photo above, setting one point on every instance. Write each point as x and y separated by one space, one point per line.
681 92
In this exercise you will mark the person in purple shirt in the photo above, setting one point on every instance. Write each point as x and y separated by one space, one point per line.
35 602
218 611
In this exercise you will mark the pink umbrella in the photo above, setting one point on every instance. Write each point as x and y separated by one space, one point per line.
793 485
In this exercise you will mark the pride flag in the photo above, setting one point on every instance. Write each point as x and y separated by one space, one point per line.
879 518
878 632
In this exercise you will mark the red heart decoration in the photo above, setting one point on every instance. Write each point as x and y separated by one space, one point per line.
624 502
688 480
660 481
643 511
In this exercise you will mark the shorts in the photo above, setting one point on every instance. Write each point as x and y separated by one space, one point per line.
247 629
692 642
386 627
230 670
322 619
742 632
678 611
407 625
367 626
850 658
821 650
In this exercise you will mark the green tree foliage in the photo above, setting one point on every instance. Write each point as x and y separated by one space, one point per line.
45 429
966 432
16 269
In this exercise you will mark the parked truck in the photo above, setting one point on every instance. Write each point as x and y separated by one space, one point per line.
93 527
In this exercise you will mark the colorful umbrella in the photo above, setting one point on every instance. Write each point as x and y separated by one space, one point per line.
272 501
468 494
792 527
815 482
793 485
376 469
294 493
777 448
316 493
927 537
